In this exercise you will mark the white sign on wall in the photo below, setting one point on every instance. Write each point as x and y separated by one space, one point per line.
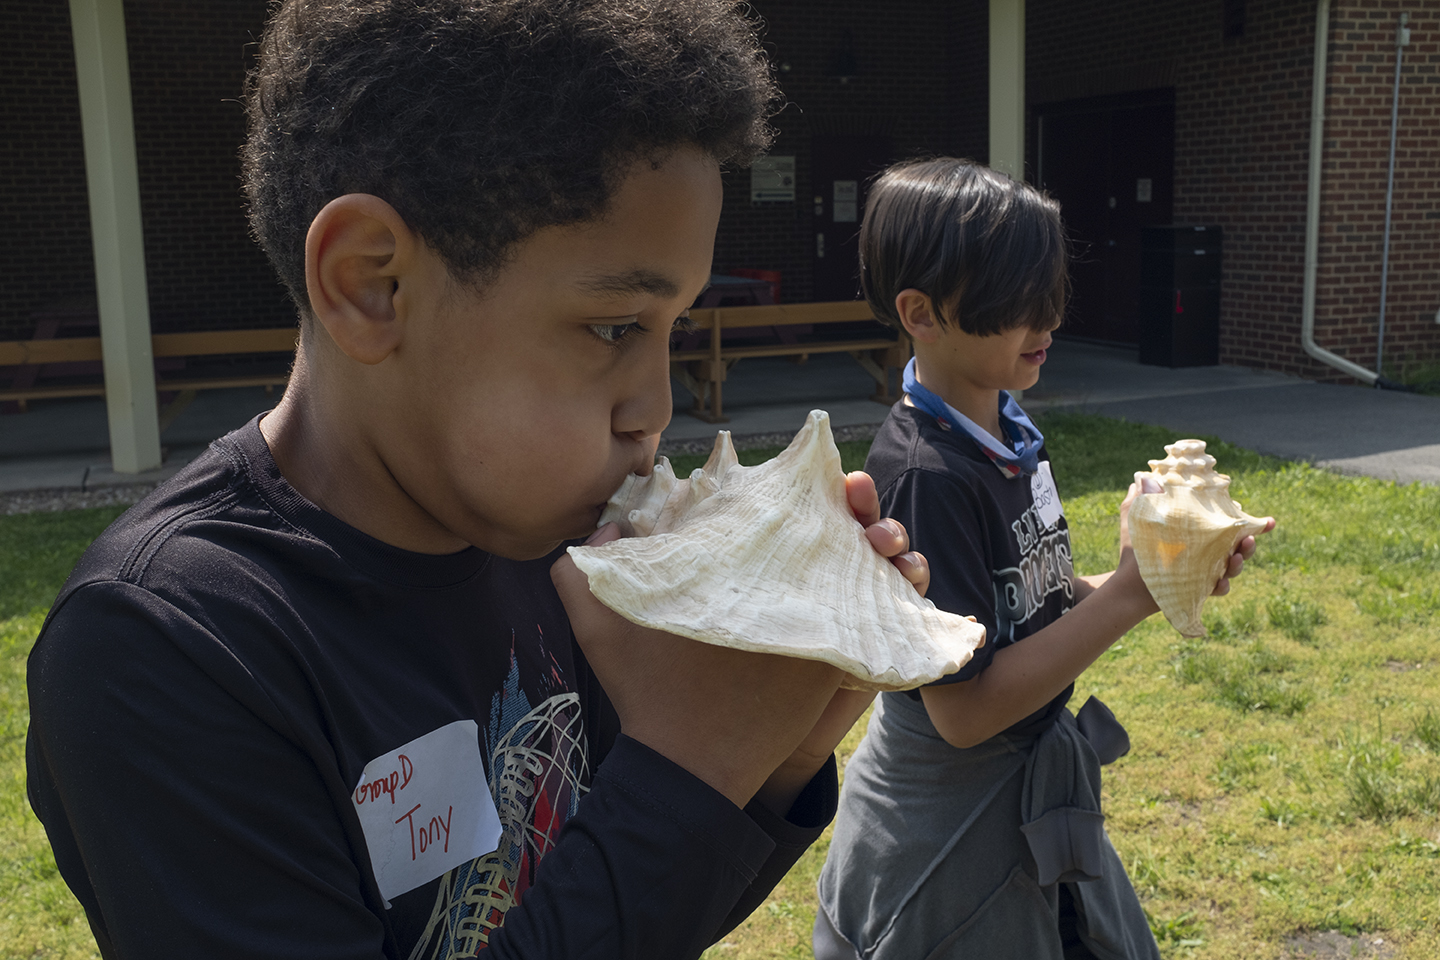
847 201
772 179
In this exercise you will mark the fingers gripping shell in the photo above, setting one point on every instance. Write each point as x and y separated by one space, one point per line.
1184 536
771 559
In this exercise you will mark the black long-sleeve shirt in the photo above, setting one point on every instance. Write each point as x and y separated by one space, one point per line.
219 692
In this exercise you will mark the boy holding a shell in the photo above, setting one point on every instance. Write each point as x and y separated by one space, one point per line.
970 823
319 696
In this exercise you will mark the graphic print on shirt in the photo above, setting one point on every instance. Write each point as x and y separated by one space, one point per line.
1045 567
539 769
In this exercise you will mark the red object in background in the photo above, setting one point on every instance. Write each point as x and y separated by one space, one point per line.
771 277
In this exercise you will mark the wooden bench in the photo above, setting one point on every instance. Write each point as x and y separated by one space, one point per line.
19 353
702 370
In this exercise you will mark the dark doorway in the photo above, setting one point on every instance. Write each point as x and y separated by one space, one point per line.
1110 162
841 168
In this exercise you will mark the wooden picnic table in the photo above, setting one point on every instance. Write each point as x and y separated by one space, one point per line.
778 330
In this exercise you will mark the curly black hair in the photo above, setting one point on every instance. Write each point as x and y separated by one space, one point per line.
482 121
989 251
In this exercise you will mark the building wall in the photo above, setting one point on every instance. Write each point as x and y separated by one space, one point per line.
1242 141
1242 131
913 85
1242 154
187 66
1357 146
187 70
44 220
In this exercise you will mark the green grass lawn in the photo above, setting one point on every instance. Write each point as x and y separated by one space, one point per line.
38 915
1285 771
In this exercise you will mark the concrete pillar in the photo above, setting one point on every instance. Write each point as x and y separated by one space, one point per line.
103 69
1007 87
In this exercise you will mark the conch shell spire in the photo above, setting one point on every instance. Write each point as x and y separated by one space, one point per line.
1184 535
655 504
771 559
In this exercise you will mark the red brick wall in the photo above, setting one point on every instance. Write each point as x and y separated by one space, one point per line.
1242 141
1242 132
1242 147
187 64
1357 146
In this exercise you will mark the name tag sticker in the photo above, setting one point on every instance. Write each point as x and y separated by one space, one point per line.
1046 497
426 808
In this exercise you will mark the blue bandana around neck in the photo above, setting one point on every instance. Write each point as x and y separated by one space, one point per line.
1020 457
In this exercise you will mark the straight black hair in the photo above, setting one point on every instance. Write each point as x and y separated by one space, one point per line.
989 251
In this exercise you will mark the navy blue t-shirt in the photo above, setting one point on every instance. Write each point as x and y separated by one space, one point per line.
990 554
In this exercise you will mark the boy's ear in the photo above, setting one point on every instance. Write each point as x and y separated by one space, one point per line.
355 253
917 315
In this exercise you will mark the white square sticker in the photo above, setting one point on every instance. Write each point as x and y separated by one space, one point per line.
426 807
1045 496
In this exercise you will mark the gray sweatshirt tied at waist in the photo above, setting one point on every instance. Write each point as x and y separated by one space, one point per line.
941 852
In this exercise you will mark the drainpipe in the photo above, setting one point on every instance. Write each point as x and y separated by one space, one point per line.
1402 37
1312 209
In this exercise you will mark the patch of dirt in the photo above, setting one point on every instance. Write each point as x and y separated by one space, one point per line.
1400 666
1185 812
1333 943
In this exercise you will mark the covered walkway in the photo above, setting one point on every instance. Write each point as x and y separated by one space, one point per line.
62 445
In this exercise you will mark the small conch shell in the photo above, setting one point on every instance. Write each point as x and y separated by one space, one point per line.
771 559
1184 536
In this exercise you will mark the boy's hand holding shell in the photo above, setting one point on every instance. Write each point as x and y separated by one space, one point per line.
1185 532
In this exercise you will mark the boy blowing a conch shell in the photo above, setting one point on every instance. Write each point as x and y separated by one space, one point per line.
970 823
318 696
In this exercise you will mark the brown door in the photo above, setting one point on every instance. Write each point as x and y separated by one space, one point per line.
841 168
1110 162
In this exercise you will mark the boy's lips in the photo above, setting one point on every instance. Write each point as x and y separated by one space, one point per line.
1035 356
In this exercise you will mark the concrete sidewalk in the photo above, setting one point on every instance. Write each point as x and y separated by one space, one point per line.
1356 430
62 445
1394 436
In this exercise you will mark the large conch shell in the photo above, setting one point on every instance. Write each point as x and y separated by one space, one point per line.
771 559
1184 536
